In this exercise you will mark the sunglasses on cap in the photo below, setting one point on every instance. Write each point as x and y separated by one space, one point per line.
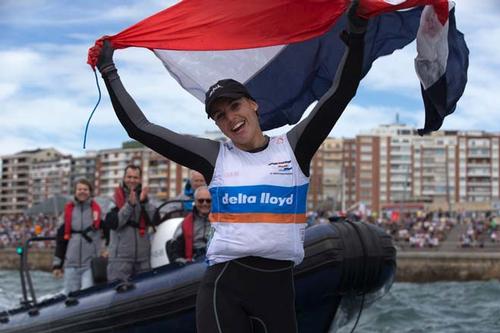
202 200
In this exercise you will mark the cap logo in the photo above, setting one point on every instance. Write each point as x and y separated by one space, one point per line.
213 89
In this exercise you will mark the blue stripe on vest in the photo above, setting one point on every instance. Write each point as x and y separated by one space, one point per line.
259 199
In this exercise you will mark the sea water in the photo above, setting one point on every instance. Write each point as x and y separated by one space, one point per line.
441 307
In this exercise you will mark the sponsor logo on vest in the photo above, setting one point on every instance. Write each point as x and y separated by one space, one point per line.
265 198
281 167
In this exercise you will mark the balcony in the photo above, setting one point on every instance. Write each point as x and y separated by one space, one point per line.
479 191
476 162
400 188
112 167
478 173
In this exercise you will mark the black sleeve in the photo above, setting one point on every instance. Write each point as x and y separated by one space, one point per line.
105 232
307 136
61 246
111 220
192 152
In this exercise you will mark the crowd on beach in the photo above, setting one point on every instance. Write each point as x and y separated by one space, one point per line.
420 231
16 229
414 231
424 230
479 232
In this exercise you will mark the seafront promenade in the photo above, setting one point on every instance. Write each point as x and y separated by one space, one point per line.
432 266
449 261
413 265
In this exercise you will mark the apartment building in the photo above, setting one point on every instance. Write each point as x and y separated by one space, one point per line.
391 167
434 168
331 152
50 177
315 198
84 167
164 178
477 177
15 186
348 183
386 168
397 169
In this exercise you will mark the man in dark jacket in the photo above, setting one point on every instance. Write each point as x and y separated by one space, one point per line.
190 239
78 240
129 248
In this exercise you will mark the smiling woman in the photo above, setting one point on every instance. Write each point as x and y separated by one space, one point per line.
235 113
258 212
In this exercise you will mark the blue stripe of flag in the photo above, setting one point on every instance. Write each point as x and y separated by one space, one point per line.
315 63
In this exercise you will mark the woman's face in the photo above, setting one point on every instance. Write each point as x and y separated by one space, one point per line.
239 121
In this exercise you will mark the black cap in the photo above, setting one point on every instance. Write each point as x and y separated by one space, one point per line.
228 88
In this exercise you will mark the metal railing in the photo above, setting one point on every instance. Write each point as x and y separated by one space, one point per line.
26 276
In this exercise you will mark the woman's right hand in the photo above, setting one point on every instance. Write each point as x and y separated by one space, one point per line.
356 23
105 62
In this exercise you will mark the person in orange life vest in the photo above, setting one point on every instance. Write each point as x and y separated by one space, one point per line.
129 247
190 238
78 239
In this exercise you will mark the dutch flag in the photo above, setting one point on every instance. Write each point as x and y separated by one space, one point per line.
286 52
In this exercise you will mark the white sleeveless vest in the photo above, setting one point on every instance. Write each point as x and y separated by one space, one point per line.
258 204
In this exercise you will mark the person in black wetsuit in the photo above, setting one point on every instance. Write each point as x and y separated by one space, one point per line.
258 186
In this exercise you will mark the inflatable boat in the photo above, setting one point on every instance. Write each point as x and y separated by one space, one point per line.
347 265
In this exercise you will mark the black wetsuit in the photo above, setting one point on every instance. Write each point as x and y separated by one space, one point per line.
251 291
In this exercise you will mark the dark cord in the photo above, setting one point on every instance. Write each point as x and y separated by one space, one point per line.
92 113
359 314
364 273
